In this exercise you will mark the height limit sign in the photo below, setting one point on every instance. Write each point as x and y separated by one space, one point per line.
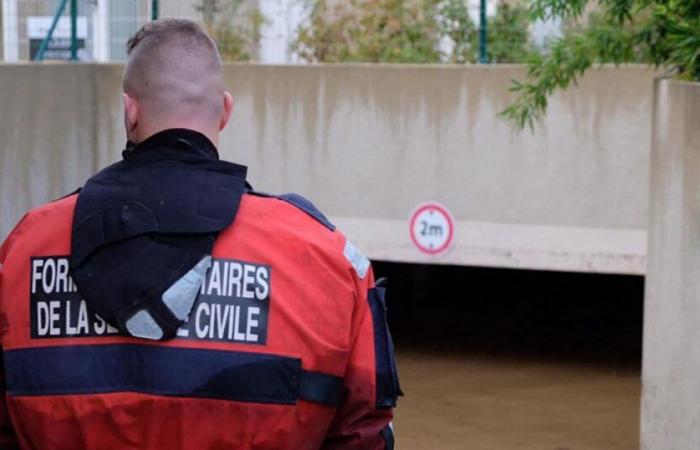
432 228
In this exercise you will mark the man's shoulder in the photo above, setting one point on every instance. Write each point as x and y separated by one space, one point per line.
281 204
290 217
60 208
294 219
50 219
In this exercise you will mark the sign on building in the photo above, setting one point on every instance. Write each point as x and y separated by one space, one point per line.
432 228
59 46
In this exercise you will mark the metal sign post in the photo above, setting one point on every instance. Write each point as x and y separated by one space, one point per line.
49 35
74 30
483 34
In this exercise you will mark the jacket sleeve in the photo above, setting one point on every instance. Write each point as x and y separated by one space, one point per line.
363 419
8 439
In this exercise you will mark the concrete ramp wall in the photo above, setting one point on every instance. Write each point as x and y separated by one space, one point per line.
369 143
671 360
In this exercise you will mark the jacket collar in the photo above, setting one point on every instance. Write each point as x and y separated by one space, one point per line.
174 138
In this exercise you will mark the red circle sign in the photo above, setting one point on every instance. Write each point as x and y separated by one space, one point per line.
432 228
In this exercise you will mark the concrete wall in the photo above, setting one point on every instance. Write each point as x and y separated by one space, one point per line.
369 143
47 135
671 360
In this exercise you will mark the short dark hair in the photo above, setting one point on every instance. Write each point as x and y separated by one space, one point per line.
161 29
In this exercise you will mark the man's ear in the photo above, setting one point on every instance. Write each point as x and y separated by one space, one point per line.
131 115
226 112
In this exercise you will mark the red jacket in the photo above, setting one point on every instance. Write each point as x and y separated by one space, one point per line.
287 347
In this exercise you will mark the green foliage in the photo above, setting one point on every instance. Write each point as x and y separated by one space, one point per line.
408 31
664 33
508 35
455 23
235 32
369 31
549 9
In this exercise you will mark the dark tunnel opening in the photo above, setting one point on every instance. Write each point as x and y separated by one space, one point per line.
576 317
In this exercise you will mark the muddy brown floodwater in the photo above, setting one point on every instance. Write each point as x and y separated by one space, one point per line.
501 359
460 401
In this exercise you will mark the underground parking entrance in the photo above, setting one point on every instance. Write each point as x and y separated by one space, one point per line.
502 358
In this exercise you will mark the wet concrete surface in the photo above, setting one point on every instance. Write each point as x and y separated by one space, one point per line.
462 401
511 359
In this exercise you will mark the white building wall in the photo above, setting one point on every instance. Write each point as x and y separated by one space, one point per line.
10 31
